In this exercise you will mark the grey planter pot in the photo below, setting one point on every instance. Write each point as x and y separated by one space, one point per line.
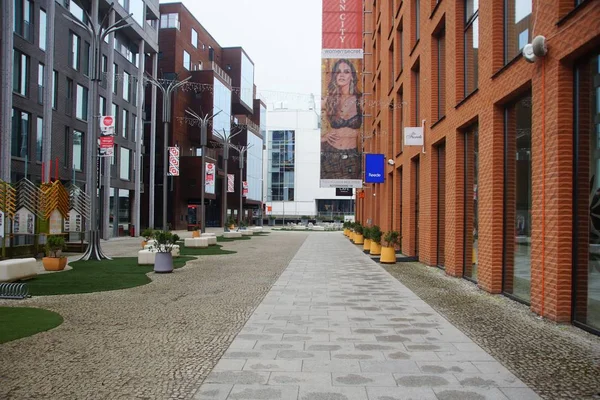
163 263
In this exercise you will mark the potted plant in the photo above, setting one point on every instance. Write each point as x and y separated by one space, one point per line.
271 220
196 231
165 241
304 220
346 226
147 234
375 236
358 233
231 222
366 239
54 260
243 224
388 251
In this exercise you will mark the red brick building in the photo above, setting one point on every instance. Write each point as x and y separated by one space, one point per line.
504 191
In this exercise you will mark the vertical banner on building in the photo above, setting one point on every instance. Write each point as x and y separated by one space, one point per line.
341 110
230 183
245 188
107 132
1 224
173 161
374 168
209 179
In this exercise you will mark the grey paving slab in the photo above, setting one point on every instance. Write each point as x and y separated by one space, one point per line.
341 328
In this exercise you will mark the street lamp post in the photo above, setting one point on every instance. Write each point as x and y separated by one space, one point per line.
226 138
242 150
203 142
97 34
166 89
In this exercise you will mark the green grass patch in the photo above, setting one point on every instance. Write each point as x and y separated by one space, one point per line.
206 251
20 322
261 233
223 239
96 276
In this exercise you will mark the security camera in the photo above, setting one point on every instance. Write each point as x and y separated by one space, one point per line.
391 162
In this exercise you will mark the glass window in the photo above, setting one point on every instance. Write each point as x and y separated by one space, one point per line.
280 166
41 83
254 167
471 73
517 27
587 199
136 7
102 106
20 73
417 17
81 110
69 97
43 22
186 60
417 94
20 133
518 200
77 11
74 54
124 161
23 18
441 74
54 89
39 137
169 21
221 102
471 220
126 88
125 123
115 78
115 114
77 150
86 59
194 38
247 82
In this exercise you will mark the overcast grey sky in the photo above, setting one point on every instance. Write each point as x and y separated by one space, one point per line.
282 37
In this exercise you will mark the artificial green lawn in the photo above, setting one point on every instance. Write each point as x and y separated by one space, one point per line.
96 276
19 322
206 251
222 239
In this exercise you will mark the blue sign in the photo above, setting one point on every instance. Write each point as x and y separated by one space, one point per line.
374 168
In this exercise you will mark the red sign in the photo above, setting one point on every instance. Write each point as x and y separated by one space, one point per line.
173 161
244 188
107 125
342 24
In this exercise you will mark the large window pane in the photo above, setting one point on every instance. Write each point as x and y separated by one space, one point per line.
471 203
517 27
41 83
38 139
20 133
247 82
81 111
77 150
126 88
125 123
74 55
517 243
124 166
43 22
186 60
471 72
20 73
137 8
587 201
194 38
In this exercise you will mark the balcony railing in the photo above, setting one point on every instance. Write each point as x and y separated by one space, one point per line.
219 71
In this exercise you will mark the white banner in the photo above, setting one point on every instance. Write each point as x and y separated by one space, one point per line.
73 222
173 161
209 182
413 136
24 222
230 183
1 224
56 223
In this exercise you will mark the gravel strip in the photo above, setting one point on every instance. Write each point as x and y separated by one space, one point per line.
557 361
157 341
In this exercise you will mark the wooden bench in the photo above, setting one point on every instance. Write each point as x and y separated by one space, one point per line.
17 269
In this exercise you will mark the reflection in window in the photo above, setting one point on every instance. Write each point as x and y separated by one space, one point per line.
81 110
517 243
77 150
43 22
247 82
587 199
254 167
471 45
194 38
39 137
280 167
169 21
221 102
124 167
471 203
20 73
517 27
20 133
186 60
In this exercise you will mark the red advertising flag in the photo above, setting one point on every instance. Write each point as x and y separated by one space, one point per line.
230 183
245 188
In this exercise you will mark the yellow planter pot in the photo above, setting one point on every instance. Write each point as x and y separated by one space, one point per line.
195 234
358 238
54 263
367 244
375 249
388 255
351 236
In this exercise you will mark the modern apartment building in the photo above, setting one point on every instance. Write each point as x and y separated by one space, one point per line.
504 190
292 166
46 117
221 83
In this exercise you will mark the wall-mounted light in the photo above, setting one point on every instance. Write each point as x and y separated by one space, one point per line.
391 162
536 49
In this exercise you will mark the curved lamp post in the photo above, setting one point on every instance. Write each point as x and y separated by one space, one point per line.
242 150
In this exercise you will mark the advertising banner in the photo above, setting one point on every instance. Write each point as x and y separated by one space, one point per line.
341 111
1 224
24 222
343 191
107 144
230 183
56 223
209 179
173 161
107 125
374 168
413 136
245 188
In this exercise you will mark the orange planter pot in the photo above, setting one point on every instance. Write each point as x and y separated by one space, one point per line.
367 244
195 234
375 249
388 255
54 263
359 238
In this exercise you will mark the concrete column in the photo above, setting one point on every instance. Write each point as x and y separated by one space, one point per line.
48 89
139 137
152 183
106 234
6 68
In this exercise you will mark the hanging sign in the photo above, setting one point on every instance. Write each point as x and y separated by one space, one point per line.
56 223
209 179
230 183
107 144
73 222
173 161
245 188
343 192
24 222
374 168
413 136
1 224
107 125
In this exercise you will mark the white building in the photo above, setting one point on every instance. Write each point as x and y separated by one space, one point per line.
292 167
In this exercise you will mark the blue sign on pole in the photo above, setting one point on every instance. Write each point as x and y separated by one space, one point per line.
374 168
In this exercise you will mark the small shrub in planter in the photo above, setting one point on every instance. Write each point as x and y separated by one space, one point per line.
165 241
53 260
375 234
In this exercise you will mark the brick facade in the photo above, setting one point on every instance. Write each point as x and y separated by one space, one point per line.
572 34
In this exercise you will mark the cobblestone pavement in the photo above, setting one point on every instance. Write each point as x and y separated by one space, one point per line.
157 341
558 361
336 326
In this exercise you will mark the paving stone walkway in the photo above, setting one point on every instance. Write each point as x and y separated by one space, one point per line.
336 326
